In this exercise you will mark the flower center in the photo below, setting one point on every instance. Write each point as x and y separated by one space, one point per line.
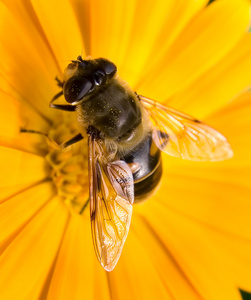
69 167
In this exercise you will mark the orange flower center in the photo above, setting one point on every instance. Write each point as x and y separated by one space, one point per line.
69 167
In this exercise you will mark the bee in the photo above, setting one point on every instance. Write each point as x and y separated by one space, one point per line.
126 134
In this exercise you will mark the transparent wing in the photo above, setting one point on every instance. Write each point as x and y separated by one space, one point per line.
111 200
183 136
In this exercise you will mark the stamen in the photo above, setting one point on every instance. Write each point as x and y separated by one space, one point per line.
69 167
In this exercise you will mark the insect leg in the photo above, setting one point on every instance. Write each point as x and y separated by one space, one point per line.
49 140
61 106
72 141
59 82
54 144
84 206
32 131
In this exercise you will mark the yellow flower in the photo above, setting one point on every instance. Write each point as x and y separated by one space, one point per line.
192 240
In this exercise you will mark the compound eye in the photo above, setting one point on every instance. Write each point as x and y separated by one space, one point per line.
108 67
99 77
76 88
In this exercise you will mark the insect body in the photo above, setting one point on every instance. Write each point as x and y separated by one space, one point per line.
127 133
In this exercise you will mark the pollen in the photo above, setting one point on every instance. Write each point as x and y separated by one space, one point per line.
69 166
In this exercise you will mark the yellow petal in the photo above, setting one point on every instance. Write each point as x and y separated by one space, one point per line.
82 15
193 250
235 257
138 274
131 33
15 115
19 170
18 210
220 84
219 193
77 255
169 270
61 29
204 42
110 28
28 67
234 121
218 202
155 27
29 258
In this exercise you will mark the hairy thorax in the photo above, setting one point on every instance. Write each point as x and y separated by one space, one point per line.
117 114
